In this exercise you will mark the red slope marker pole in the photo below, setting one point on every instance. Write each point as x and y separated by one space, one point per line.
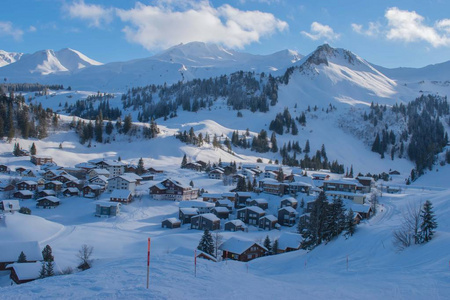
148 262
195 263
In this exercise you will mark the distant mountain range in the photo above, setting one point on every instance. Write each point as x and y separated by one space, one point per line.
326 73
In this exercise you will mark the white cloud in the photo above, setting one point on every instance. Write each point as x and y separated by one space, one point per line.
96 15
170 23
320 31
32 29
372 30
7 28
408 26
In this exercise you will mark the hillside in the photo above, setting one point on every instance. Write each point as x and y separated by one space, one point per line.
7 58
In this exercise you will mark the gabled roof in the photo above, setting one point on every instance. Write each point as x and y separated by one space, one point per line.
221 209
93 187
255 209
99 177
108 204
289 199
225 202
190 211
238 245
12 204
209 216
172 220
100 171
289 240
208 195
49 198
25 192
195 203
271 218
237 223
288 209
259 201
10 251
26 271
121 194
29 182
133 176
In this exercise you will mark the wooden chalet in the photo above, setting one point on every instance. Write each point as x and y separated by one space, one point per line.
9 205
122 196
24 272
92 191
211 197
235 225
193 166
287 216
45 193
260 202
241 199
241 249
186 213
171 223
4 169
27 185
24 194
205 221
221 212
41 159
71 191
6 187
216 173
288 242
250 215
107 209
268 222
47 202
289 201
53 185
170 189
225 203
20 170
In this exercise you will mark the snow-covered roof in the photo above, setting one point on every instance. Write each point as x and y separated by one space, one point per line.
343 181
290 199
26 271
272 168
289 240
100 171
12 204
10 251
99 177
225 202
29 182
189 210
133 176
114 163
259 201
172 220
221 209
237 223
255 209
229 194
94 187
208 195
121 194
49 192
339 193
49 198
238 245
124 177
209 216
105 203
71 190
288 209
194 203
85 165
271 218
55 182
244 194
25 192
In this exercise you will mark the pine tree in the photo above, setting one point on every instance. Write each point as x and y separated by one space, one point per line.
241 185
140 167
184 162
275 247
350 225
273 140
127 122
307 148
428 224
47 253
43 271
22 258
268 245
109 128
33 149
206 243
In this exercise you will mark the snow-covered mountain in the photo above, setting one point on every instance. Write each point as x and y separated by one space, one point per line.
181 62
436 72
330 75
7 58
46 62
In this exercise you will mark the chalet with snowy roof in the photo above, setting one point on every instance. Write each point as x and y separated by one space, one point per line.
225 203
45 193
366 182
217 173
29 173
204 255
53 185
6 187
229 196
242 249
250 215
4 169
97 172
27 185
393 189
19 170
134 176
147 176
289 201
41 159
296 187
47 202
72 184
51 173
9 205
365 211
342 185
10 251
154 171
92 191
203 207
221 212
287 216
235 225
122 196
272 186
71 191
355 197
241 199
268 222
186 213
320 176
130 168
85 166
24 194
170 189
24 272
171 223
205 221
114 167
107 209
260 202
236 177
193 166
122 182
288 242
79 173
99 180
211 197
64 178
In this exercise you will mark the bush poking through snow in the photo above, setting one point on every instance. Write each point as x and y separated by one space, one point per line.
84 254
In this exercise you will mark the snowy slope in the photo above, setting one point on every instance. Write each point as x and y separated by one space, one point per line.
32 67
436 72
7 58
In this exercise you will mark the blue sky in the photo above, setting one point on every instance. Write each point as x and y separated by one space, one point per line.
388 33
